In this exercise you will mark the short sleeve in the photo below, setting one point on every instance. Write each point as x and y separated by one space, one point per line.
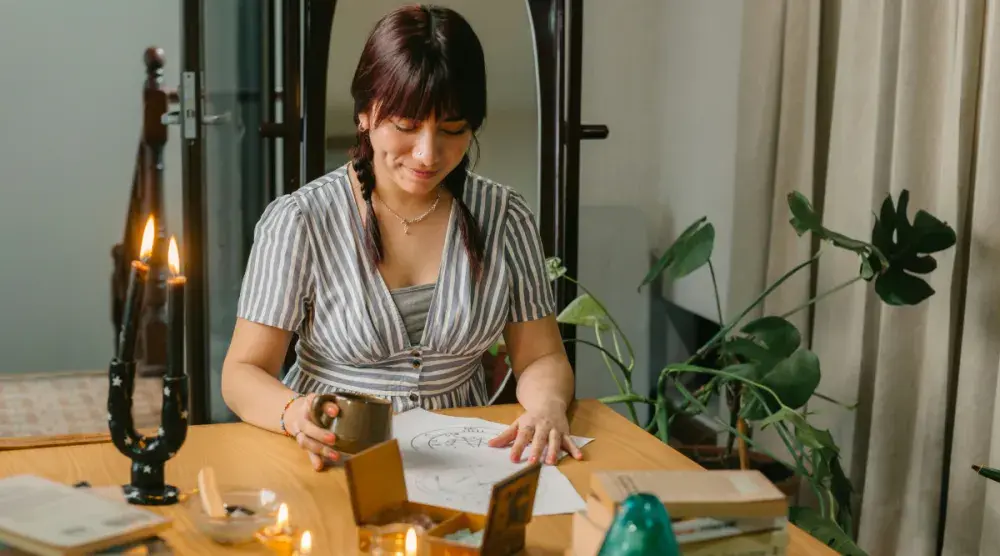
531 295
278 279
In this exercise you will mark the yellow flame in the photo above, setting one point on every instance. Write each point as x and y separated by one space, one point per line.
173 257
306 543
146 248
282 516
411 542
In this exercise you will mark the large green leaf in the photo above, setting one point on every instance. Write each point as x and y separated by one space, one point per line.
907 248
793 379
825 530
691 251
585 311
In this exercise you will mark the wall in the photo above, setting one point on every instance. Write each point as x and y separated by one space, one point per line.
71 78
668 89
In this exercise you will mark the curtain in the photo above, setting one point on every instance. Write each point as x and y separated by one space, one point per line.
871 97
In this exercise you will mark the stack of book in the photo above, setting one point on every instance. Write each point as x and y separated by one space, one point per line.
714 513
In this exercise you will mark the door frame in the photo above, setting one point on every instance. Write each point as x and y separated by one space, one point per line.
557 30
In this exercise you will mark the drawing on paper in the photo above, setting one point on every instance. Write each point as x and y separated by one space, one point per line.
455 438
468 487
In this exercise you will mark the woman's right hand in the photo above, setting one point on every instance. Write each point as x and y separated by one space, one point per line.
315 440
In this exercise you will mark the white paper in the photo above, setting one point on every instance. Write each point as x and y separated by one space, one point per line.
60 515
448 462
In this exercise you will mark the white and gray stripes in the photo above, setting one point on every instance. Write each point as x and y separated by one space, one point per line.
308 272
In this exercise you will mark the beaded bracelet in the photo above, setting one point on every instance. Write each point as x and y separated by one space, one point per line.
287 405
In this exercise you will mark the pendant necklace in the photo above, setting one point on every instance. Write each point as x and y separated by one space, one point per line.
407 222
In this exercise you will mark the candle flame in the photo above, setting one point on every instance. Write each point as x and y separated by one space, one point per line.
146 249
306 543
173 257
411 542
282 516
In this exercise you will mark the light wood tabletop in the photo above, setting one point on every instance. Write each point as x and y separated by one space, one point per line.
243 455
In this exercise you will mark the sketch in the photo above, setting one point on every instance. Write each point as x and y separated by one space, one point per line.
455 438
465 488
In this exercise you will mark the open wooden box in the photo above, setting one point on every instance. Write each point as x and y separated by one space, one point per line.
377 488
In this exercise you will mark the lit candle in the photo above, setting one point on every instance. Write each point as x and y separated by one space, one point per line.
281 525
175 313
278 537
411 542
305 544
134 296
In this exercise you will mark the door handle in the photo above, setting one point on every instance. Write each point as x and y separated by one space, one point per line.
593 131
174 118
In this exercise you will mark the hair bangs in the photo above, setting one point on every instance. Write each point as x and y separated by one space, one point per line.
419 89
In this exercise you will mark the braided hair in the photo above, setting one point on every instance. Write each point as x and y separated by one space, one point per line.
419 61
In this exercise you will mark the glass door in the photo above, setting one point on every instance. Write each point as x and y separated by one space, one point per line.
226 104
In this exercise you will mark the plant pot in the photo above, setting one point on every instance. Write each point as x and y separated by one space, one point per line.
714 457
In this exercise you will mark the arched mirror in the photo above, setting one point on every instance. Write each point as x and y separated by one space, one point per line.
509 139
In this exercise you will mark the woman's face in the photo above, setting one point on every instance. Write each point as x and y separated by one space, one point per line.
417 155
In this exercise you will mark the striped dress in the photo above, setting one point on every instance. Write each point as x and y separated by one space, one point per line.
308 273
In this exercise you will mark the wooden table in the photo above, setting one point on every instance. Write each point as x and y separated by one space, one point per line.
318 501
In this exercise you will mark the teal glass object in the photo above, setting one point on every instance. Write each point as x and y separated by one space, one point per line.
641 528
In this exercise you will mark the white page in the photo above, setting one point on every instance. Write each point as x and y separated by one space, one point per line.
60 515
447 462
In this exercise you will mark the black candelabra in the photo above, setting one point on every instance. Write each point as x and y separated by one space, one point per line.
149 454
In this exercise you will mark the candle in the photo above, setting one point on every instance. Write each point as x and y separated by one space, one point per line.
411 542
279 537
134 296
175 313
305 544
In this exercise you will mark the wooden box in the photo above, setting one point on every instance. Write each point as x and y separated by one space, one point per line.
377 489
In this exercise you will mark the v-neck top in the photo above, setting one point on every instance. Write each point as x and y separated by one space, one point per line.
308 272
413 304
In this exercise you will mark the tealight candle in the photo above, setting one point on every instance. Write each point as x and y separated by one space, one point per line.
305 545
397 540
279 537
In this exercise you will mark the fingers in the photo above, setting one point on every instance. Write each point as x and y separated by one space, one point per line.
538 443
553 448
316 448
523 437
331 409
316 461
571 447
504 438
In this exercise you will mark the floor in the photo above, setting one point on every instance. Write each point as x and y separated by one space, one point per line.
42 404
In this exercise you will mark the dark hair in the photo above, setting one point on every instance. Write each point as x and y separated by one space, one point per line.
420 60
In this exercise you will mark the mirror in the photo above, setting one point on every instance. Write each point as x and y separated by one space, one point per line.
508 140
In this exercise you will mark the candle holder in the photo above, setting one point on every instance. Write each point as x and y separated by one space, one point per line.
149 454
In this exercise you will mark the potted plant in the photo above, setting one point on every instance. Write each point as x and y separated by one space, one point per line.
763 369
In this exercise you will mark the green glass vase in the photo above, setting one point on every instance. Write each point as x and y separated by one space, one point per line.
641 528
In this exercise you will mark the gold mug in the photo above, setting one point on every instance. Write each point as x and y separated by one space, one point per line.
361 422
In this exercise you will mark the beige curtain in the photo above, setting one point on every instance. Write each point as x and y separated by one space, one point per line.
872 97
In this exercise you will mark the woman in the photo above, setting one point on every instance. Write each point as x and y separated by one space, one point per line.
399 270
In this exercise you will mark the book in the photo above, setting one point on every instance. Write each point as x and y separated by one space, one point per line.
44 517
685 494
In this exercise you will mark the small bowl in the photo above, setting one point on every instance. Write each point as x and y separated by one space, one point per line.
238 527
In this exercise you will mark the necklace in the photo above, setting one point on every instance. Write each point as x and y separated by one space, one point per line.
407 222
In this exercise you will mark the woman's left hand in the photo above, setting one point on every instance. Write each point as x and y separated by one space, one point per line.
546 427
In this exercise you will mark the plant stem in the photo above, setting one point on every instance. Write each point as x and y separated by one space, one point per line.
816 299
728 328
687 394
833 401
715 286
628 378
628 345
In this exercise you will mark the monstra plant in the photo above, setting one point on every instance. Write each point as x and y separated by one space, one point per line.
764 370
